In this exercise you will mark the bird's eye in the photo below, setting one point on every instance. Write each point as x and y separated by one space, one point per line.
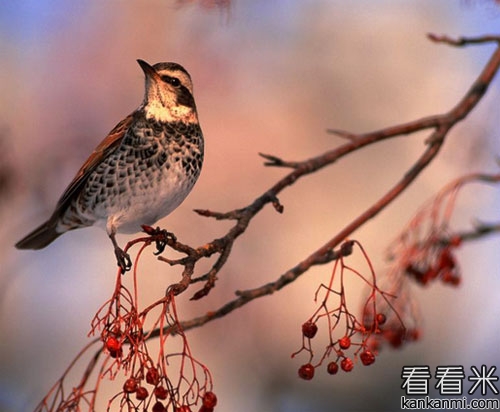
174 81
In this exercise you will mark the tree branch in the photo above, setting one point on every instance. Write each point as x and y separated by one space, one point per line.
440 126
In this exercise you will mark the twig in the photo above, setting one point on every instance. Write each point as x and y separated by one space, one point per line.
440 126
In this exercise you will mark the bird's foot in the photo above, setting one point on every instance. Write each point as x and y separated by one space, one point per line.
123 260
161 237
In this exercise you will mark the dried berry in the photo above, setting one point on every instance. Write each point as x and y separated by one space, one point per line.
130 385
332 368
306 371
158 407
114 346
455 240
451 278
345 342
161 392
347 364
152 376
309 329
367 357
381 318
396 336
209 400
141 393
446 260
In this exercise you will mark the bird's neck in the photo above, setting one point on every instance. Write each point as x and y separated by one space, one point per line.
157 111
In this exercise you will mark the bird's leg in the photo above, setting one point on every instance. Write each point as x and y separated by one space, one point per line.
161 237
122 258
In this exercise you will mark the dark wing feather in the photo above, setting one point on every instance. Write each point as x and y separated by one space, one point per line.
106 147
46 232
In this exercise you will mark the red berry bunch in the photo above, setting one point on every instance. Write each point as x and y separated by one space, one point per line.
365 349
153 377
442 265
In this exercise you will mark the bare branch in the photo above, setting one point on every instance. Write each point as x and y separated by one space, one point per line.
440 126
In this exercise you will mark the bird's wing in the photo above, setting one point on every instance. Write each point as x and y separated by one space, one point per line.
107 146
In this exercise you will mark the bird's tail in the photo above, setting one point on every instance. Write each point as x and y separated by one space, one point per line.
40 237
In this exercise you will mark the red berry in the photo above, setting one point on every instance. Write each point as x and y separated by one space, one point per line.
446 260
141 393
451 278
112 344
345 342
374 344
367 357
332 368
130 385
412 270
116 354
381 318
158 407
455 240
183 408
161 392
209 400
413 334
152 376
309 329
395 337
306 371
347 364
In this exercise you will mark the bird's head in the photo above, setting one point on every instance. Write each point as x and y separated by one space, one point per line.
168 94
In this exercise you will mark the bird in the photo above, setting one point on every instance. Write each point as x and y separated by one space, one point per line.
142 170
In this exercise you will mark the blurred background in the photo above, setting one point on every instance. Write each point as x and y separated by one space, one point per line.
269 77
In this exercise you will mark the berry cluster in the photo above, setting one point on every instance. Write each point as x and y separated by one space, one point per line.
339 348
160 400
170 380
153 381
394 333
357 336
424 249
435 261
150 385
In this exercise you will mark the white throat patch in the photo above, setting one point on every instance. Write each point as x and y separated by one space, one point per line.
159 112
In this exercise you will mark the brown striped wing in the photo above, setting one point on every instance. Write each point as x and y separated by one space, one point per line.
106 147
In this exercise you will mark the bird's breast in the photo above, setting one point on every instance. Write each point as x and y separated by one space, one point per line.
146 177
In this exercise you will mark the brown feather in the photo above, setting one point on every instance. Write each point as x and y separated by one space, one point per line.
108 145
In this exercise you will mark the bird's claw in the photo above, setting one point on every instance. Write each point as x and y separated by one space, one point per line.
162 239
160 236
123 260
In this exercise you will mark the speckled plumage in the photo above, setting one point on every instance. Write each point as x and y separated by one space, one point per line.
143 180
143 169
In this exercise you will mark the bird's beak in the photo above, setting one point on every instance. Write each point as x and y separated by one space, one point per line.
148 70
